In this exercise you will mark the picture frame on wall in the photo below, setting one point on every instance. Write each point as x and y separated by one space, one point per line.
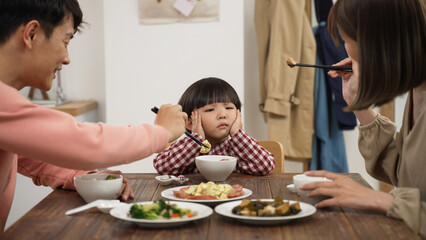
177 11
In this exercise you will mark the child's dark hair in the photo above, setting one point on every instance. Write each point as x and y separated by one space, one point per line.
207 91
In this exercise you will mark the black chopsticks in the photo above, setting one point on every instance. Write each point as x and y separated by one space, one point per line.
291 63
155 110
329 67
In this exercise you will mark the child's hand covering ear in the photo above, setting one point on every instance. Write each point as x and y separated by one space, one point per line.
237 125
196 124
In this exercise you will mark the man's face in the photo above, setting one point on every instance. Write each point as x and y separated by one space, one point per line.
50 54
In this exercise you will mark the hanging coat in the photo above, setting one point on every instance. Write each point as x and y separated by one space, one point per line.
328 149
330 54
283 30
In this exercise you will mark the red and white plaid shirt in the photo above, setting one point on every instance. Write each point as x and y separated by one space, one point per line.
179 157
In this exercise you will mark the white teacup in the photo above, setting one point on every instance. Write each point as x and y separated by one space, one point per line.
301 179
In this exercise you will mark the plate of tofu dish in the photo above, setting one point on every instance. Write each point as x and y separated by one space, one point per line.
265 211
208 193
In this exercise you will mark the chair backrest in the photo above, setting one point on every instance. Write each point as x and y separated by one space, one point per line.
277 149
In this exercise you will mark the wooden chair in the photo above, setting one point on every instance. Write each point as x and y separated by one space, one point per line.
305 162
275 148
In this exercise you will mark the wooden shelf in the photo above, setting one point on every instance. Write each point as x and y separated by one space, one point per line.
76 108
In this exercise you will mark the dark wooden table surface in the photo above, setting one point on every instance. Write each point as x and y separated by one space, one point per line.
47 220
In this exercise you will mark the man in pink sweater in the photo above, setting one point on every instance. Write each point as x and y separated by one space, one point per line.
46 144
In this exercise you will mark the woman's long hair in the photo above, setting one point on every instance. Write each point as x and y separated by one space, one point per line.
391 46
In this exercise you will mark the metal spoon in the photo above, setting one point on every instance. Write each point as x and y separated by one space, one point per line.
167 179
180 180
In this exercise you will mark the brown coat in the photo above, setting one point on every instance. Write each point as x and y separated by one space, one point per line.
287 94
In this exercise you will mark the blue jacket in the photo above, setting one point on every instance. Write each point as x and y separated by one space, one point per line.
330 54
328 148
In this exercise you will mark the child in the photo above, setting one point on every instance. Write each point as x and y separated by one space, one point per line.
214 110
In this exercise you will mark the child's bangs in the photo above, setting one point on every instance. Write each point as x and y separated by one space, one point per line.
209 96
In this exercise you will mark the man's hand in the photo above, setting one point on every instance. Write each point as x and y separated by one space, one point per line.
172 119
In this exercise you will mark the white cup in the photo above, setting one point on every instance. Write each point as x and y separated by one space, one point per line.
301 179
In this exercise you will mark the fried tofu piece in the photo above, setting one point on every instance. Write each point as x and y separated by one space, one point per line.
245 203
267 211
282 209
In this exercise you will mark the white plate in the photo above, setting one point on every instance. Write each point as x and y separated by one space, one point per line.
168 193
121 212
225 209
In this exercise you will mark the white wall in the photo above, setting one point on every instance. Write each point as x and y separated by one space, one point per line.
84 78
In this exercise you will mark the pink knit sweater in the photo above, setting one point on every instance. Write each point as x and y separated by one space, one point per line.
46 144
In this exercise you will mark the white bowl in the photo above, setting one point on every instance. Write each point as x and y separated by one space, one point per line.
301 179
94 186
215 167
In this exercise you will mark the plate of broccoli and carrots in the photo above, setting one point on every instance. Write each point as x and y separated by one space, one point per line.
160 213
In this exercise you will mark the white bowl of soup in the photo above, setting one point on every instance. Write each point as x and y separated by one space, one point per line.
94 186
215 167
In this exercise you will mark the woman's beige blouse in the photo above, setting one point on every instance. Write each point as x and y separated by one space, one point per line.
399 158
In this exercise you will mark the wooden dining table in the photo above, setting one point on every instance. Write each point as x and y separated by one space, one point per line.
47 220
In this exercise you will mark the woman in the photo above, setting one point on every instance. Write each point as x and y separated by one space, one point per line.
386 44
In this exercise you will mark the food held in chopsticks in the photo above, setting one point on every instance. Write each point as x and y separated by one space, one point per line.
210 191
205 149
267 209
291 63
159 210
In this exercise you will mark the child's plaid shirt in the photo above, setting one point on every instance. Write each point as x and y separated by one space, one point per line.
179 157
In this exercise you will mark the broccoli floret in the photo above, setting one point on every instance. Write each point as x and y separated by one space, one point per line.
157 210
110 177
151 207
136 211
161 204
144 211
152 216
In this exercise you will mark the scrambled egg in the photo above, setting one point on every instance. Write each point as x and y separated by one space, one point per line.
204 149
220 191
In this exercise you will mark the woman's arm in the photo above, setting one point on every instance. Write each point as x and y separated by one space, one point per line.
345 192
376 140
409 207
400 203
365 117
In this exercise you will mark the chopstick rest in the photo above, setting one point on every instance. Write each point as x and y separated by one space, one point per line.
187 133
291 63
